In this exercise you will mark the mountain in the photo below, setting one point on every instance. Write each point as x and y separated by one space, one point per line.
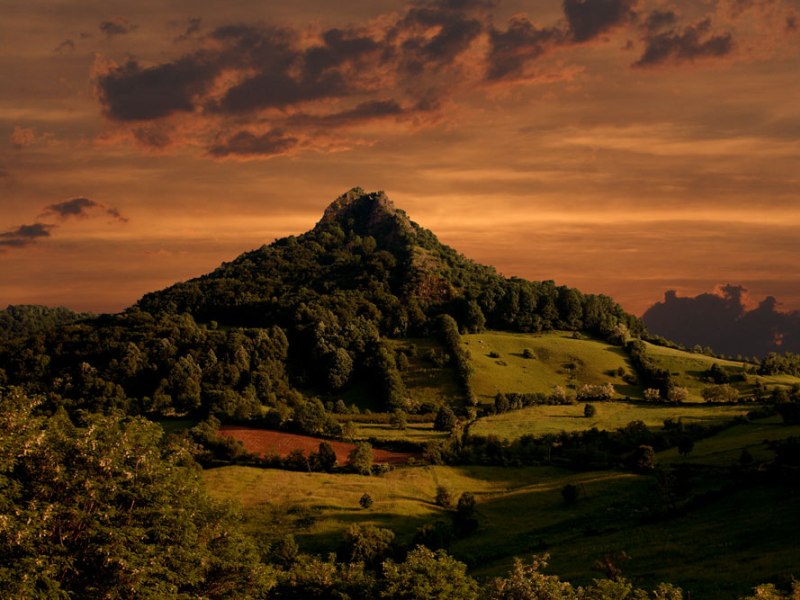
365 257
308 315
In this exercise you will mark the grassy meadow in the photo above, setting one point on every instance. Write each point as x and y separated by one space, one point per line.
540 420
559 359
521 512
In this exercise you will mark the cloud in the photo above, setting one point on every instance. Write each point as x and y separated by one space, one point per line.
193 25
22 137
65 47
116 26
239 84
691 43
81 208
727 321
24 235
511 50
588 19
245 144
132 93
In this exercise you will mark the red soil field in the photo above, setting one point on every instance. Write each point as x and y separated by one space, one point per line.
266 442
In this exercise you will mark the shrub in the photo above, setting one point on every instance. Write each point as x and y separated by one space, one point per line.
589 410
365 501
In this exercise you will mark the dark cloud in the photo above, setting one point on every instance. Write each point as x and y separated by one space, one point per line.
366 111
455 28
660 19
152 137
133 93
80 208
245 144
588 19
65 47
723 321
512 49
117 26
24 235
193 25
693 42
245 79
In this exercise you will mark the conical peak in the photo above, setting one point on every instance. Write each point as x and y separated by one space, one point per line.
365 212
357 200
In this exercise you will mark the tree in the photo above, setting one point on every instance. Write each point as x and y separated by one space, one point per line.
325 458
720 393
365 501
427 575
443 497
398 419
643 458
464 519
570 493
445 419
360 458
652 395
678 395
589 411
111 508
367 544
527 582
685 446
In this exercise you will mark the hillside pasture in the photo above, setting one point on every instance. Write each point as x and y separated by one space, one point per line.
557 359
725 448
688 368
541 420
264 442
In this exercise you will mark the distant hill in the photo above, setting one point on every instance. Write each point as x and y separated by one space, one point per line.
722 322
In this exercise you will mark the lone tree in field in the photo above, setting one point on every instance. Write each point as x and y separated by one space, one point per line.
360 458
445 420
365 501
589 410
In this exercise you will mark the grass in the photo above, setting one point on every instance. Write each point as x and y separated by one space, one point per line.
725 448
718 550
687 371
497 358
540 420
425 382
414 432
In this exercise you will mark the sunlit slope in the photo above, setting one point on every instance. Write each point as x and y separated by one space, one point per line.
557 359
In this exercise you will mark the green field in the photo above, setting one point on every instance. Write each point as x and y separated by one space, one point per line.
559 360
425 382
415 432
521 512
540 420
687 370
725 448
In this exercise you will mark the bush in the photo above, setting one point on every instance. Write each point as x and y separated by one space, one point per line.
365 501
589 410
570 493
443 497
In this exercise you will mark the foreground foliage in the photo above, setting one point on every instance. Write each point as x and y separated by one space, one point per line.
108 508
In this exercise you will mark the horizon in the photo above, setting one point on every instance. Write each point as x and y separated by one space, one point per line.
622 147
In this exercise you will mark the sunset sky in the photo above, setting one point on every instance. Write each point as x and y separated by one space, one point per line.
619 146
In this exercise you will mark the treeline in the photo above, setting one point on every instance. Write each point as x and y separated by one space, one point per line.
581 450
776 364
149 365
651 375
24 320
447 330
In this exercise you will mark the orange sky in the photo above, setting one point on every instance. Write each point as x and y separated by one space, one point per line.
620 146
